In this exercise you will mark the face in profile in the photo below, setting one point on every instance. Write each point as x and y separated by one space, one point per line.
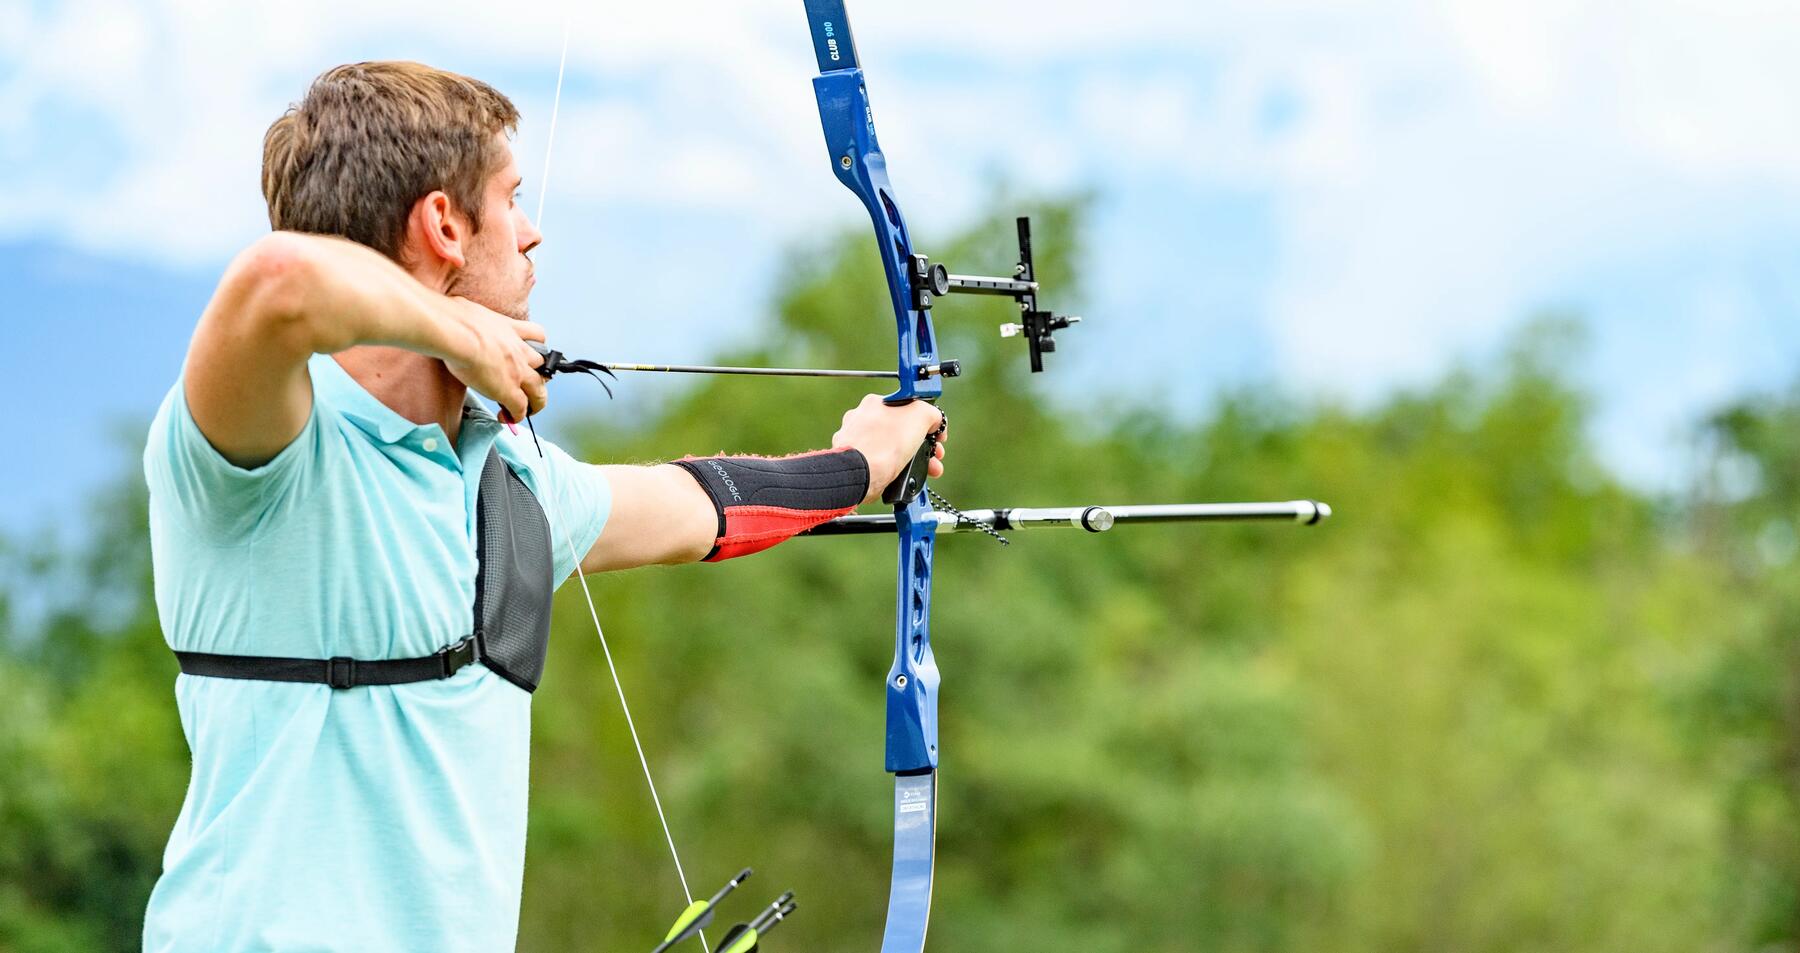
497 269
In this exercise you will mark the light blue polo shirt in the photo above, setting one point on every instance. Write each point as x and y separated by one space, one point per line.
381 818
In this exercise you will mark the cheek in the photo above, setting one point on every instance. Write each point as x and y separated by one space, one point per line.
500 237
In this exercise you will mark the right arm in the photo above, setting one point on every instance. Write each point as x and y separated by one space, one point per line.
290 296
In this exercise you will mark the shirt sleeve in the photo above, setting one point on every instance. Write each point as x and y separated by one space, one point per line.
579 500
191 483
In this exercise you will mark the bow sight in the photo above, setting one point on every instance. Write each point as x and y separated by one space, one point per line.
932 280
929 280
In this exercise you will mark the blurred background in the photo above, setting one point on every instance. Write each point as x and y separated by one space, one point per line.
1514 286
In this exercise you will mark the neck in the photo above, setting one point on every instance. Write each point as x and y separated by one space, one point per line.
415 386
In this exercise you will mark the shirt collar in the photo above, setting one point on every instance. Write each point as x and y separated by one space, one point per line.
333 386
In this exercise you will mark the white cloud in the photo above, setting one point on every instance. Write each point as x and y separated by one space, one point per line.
1432 170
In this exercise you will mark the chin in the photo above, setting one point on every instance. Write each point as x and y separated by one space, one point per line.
516 310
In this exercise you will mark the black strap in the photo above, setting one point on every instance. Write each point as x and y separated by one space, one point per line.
339 672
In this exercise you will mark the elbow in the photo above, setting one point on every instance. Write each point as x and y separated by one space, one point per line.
274 282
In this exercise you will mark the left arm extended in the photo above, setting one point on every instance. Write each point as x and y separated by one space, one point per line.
662 516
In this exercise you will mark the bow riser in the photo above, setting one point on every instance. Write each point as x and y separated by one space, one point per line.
856 159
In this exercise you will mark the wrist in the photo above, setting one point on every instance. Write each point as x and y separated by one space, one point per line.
445 331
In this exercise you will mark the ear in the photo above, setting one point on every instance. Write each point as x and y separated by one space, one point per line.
436 232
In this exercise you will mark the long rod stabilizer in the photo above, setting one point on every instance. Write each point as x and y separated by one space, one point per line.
1094 519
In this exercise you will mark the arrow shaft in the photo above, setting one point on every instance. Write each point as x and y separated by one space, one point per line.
747 371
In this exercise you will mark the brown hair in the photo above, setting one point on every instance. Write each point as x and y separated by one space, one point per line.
370 139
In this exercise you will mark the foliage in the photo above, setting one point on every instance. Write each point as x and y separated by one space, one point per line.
1744 712
1500 702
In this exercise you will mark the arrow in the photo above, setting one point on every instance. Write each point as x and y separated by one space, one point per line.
746 371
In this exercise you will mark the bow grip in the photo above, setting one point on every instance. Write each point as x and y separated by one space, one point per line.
912 479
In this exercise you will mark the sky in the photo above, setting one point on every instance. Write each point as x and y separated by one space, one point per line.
1335 199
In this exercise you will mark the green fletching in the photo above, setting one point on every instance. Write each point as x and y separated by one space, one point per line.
745 942
695 911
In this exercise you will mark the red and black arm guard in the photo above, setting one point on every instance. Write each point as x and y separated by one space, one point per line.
764 500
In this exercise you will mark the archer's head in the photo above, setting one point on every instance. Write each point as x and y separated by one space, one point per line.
415 163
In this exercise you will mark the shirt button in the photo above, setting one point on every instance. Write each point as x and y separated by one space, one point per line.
430 444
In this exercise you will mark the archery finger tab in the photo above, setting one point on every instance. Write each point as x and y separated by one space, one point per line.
548 359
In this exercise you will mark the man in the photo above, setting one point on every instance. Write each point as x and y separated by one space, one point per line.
354 560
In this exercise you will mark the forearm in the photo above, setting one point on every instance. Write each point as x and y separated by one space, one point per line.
339 294
284 299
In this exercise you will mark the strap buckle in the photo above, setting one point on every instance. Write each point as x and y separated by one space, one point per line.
340 672
455 657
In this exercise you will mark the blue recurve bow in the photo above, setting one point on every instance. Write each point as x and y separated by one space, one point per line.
913 282
912 682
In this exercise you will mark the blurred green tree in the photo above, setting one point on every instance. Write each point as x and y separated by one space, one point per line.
1744 711
1501 702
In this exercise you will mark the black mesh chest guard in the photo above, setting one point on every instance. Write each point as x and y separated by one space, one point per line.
514 581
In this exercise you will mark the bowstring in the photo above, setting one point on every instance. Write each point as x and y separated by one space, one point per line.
562 65
574 555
